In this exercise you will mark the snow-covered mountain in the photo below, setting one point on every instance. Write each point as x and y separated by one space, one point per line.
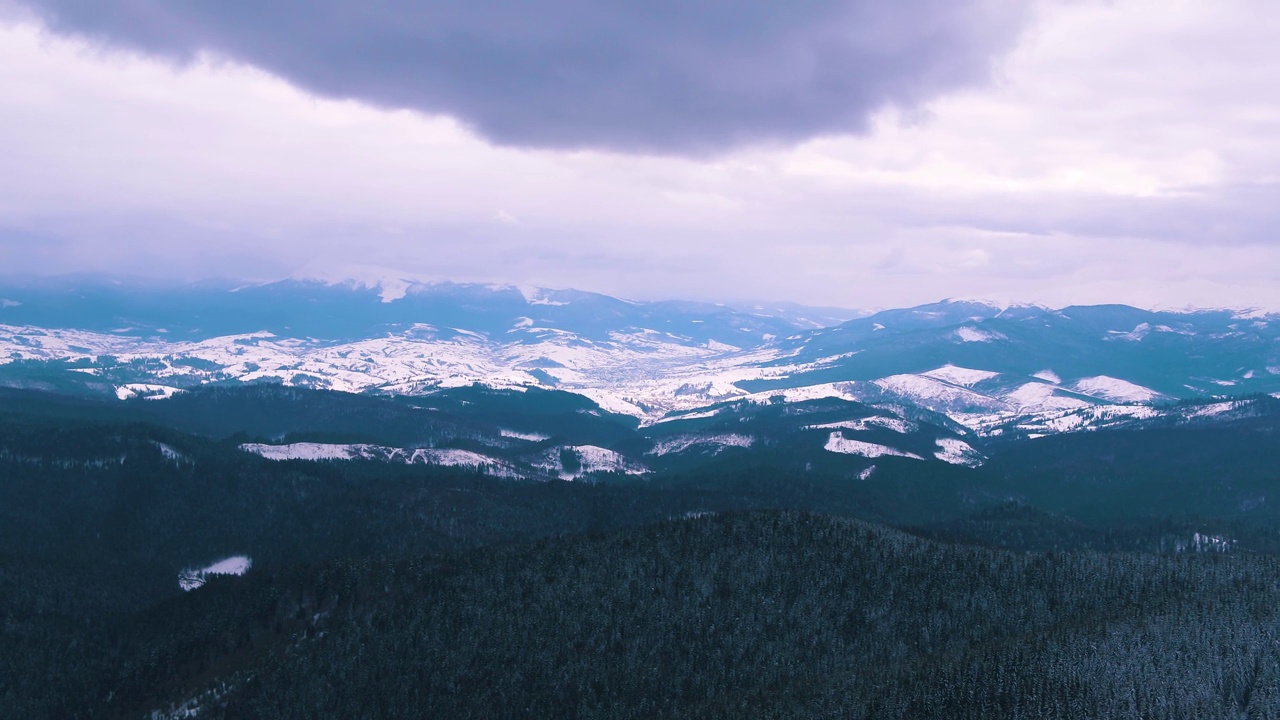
987 367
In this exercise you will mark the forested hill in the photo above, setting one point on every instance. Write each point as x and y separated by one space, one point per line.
729 580
778 614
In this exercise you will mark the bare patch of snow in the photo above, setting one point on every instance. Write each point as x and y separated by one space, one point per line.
144 390
960 375
864 424
680 443
1207 410
838 443
1115 389
427 456
1137 333
531 437
1048 376
691 416
193 578
721 347
309 451
1041 396
591 459
958 452
169 453
936 394
967 333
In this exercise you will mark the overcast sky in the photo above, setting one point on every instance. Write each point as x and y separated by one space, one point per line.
845 152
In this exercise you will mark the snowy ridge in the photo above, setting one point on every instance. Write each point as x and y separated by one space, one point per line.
972 334
189 580
1041 396
936 394
1115 389
658 374
1050 422
960 375
528 437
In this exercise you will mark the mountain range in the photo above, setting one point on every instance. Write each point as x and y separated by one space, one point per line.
990 368
232 500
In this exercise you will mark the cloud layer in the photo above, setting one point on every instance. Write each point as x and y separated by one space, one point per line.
1123 152
661 76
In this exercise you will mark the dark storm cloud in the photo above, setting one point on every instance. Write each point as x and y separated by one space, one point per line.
666 76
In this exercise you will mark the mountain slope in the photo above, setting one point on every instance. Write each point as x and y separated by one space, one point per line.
982 365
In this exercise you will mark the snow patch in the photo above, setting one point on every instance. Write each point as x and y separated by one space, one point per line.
168 452
1207 410
531 437
721 347
1041 396
191 579
680 443
936 394
864 424
838 443
1115 389
960 375
973 334
1048 376
958 452
1207 543
144 390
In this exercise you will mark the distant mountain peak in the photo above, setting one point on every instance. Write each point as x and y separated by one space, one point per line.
391 284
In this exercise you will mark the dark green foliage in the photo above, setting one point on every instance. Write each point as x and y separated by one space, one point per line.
1228 470
388 590
756 615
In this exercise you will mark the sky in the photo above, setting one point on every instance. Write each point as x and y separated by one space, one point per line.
852 153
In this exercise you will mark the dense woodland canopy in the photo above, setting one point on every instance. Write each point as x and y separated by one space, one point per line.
741 585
